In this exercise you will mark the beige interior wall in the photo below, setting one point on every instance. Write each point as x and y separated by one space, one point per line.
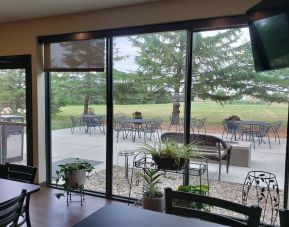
21 38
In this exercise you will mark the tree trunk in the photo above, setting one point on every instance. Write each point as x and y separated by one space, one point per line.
176 109
86 102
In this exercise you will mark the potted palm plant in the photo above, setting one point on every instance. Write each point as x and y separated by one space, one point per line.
72 175
170 155
153 198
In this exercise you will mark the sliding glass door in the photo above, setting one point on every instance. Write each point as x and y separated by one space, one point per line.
15 110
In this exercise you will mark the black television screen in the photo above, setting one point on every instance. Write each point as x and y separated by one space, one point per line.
270 42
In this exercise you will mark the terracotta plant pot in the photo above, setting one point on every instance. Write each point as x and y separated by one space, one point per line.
155 204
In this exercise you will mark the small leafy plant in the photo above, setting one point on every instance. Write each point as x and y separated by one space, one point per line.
65 171
151 180
195 189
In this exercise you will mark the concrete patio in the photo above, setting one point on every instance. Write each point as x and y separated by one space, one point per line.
92 147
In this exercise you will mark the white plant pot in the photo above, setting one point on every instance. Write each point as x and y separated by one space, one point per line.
156 204
76 178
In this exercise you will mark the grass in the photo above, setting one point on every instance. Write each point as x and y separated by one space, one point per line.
214 112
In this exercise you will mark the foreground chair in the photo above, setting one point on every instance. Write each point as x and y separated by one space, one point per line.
24 174
171 197
11 210
284 217
3 171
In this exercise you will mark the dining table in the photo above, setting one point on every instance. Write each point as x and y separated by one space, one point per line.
114 215
10 189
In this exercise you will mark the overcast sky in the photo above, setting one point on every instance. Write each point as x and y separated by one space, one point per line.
125 48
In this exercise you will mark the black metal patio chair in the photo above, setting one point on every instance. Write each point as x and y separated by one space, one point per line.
151 128
24 174
230 127
121 127
93 122
284 217
75 122
197 124
258 132
275 128
178 123
175 199
3 171
10 210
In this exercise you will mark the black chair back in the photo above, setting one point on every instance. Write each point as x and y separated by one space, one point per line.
11 210
3 171
253 213
284 217
21 173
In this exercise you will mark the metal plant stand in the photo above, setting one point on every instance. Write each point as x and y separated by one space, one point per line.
126 154
142 162
261 188
79 189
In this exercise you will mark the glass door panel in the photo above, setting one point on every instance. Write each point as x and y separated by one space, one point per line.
13 116
149 71
245 109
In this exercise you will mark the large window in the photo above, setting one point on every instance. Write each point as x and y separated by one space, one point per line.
150 75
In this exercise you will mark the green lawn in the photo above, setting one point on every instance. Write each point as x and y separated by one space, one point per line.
214 112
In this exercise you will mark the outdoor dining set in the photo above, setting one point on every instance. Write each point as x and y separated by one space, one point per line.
89 121
138 127
249 130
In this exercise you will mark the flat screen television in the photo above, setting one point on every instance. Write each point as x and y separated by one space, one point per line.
270 42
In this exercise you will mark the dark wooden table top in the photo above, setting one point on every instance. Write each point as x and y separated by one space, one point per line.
127 216
10 189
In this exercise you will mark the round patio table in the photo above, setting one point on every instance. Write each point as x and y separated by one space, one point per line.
135 125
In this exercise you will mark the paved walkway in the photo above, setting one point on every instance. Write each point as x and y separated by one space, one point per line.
92 146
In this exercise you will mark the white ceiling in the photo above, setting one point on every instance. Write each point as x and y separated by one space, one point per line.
14 10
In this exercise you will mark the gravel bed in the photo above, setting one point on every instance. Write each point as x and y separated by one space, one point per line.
220 189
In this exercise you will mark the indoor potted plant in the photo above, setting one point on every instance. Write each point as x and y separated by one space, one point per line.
72 175
170 155
153 198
